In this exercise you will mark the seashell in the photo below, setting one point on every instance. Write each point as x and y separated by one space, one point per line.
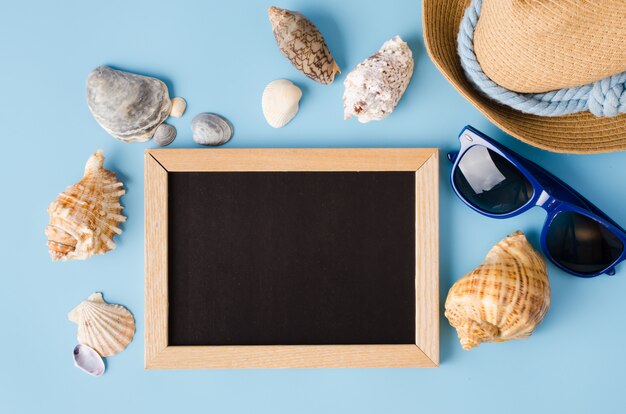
128 106
504 298
303 44
105 327
211 129
375 86
88 360
165 135
85 217
280 102
178 107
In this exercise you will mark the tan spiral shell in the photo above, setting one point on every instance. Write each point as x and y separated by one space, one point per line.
107 328
303 44
85 217
504 298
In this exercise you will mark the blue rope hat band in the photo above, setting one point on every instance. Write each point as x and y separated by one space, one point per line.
606 97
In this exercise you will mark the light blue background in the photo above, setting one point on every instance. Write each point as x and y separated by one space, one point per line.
219 55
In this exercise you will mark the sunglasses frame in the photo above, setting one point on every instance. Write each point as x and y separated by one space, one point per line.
549 193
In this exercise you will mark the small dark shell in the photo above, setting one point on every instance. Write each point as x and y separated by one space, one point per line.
164 135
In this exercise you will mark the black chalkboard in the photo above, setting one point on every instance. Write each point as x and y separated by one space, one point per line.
286 258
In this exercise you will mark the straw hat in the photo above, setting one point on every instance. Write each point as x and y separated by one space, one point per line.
533 47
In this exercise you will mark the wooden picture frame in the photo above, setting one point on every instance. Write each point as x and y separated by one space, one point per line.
423 353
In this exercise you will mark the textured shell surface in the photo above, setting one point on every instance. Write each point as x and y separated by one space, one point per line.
130 107
303 44
88 360
105 327
211 129
504 298
86 216
164 135
280 102
374 88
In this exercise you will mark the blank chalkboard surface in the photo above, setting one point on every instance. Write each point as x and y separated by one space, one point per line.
267 258
291 258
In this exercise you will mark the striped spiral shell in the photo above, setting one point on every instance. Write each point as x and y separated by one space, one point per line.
302 43
107 328
504 298
85 217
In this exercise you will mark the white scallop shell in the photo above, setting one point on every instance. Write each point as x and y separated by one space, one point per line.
280 102
105 327
88 360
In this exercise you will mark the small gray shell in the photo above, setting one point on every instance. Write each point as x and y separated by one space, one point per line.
211 129
88 360
128 106
164 135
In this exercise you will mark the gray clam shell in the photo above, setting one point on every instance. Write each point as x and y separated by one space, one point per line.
88 360
211 129
130 107
164 135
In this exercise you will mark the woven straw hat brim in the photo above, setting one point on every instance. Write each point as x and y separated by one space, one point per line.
581 133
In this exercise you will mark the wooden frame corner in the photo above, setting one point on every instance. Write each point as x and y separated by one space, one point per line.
424 353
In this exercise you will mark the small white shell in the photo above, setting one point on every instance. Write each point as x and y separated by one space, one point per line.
211 129
107 328
164 135
280 102
178 107
88 360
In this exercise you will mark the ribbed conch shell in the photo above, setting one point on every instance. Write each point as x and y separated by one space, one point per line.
504 298
85 217
375 86
303 44
105 327
280 102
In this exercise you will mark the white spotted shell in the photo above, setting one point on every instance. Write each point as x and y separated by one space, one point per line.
375 86
105 327
280 102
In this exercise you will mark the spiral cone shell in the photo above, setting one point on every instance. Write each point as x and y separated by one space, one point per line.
303 44
504 298
85 217
105 327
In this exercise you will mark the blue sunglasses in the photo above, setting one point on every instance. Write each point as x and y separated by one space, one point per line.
498 183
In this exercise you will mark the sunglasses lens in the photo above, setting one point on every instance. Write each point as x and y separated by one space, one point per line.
490 182
581 244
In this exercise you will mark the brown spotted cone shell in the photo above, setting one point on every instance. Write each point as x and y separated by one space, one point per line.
85 217
303 44
504 298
